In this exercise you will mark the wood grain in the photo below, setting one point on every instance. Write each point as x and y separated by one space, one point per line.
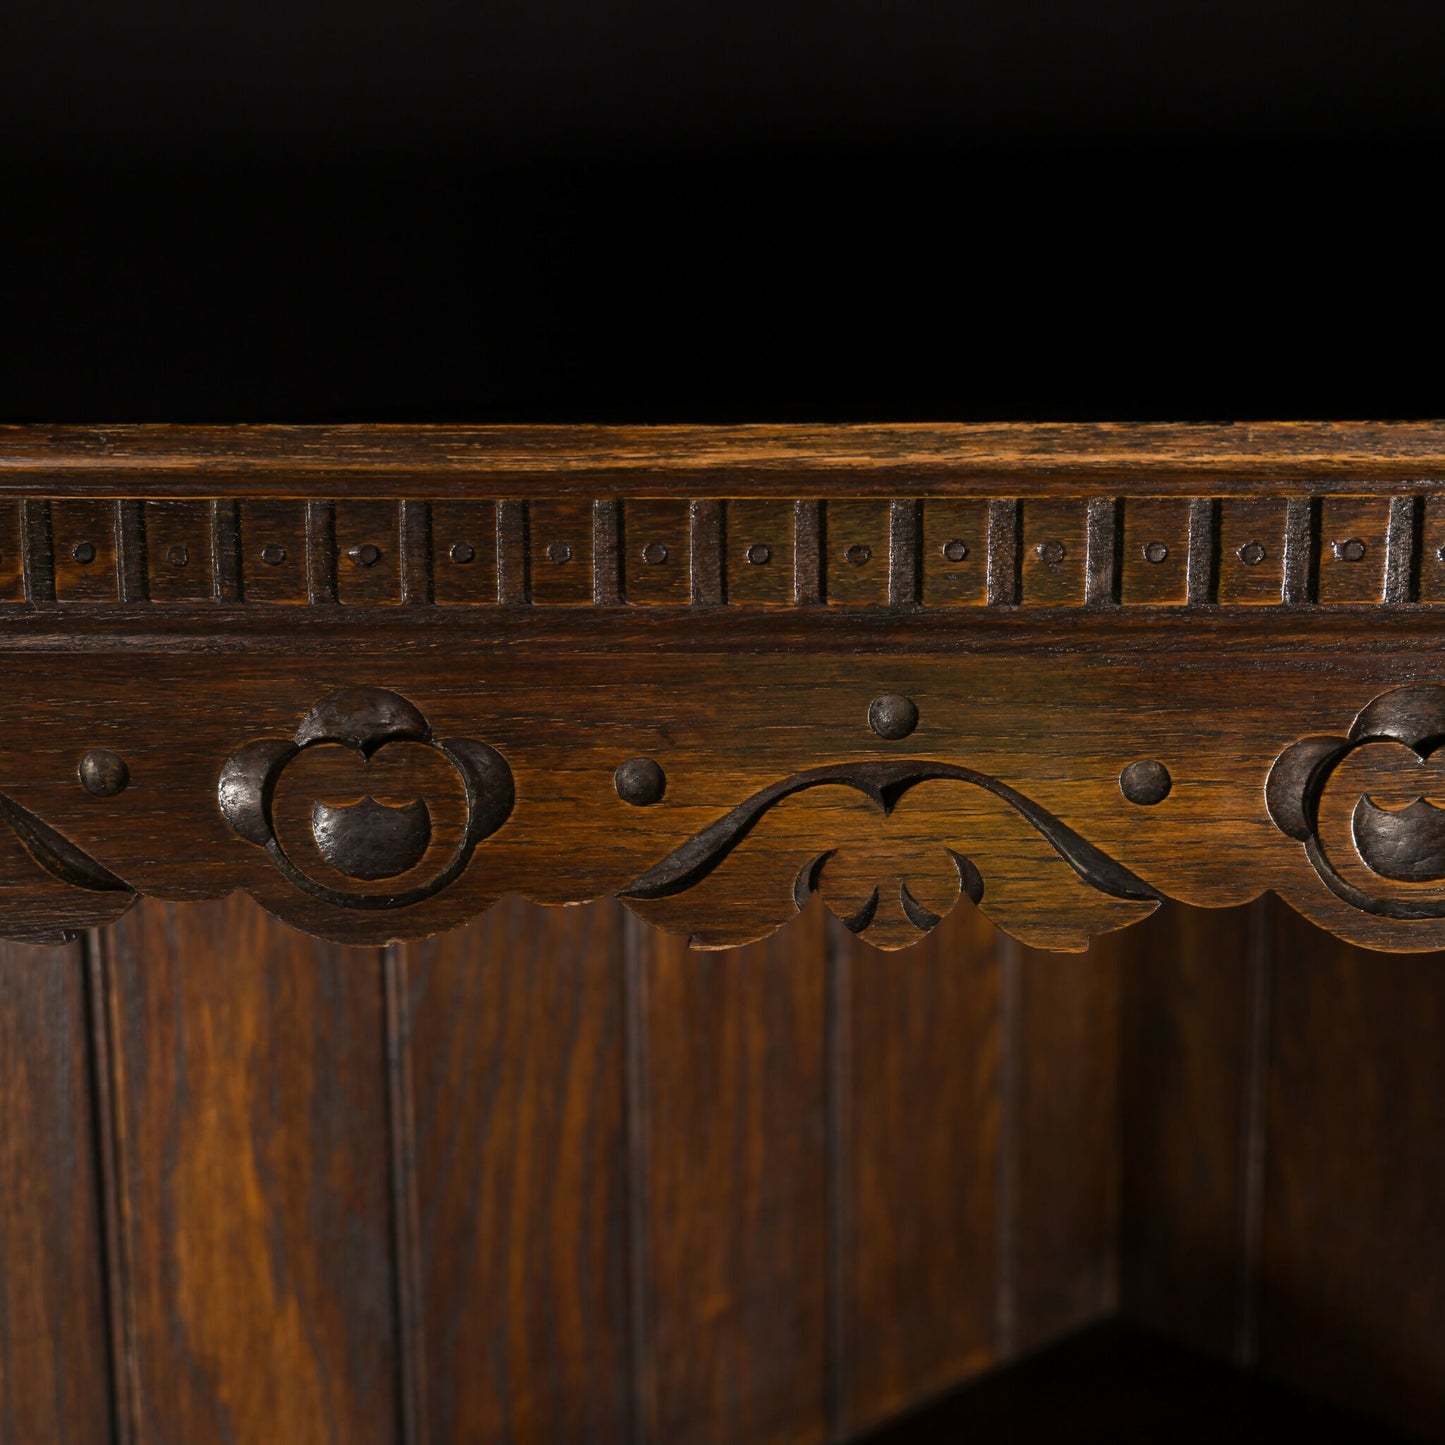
734 1186
1186 1060
755 460
517 1056
54 1375
1065 1189
252 1123
1353 1275
920 1135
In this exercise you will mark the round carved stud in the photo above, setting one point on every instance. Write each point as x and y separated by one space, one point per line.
955 549
640 781
273 556
103 773
1146 782
1051 553
83 552
759 555
858 554
364 556
1350 550
559 552
892 716
462 553
1251 554
177 556
1155 552
655 553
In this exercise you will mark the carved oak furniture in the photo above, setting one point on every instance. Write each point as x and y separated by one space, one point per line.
379 677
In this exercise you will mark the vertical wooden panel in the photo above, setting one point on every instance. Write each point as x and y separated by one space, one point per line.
919 1174
252 1134
1353 1296
54 1384
517 1058
1065 1134
733 1105
1187 1001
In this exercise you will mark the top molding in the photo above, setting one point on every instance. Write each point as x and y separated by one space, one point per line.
760 461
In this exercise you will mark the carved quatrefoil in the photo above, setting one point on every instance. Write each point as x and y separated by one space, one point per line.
407 809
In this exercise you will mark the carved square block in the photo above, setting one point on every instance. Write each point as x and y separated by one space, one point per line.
84 550
368 553
759 553
1053 554
1352 549
955 553
464 553
1251 550
856 536
1154 566
560 552
178 551
273 551
1432 551
656 548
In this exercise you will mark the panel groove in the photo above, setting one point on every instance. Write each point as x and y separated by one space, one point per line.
1010 962
320 553
417 587
1005 538
1253 1141
120 1312
635 1054
411 1354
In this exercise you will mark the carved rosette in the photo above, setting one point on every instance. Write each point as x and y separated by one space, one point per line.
1368 806
362 808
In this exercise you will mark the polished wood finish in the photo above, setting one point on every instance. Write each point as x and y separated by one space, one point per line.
54 1341
1066 672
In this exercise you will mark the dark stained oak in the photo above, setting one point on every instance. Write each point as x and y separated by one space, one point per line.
249 1075
54 1372
1064 1159
515 1035
919 1082
1186 1061
1352 1266
732 1174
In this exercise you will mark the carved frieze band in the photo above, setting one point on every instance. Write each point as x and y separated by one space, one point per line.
941 552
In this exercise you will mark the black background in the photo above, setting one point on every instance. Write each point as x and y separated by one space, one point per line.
649 212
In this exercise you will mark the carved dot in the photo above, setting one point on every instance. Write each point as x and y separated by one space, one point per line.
1051 552
858 554
273 556
1155 552
177 556
655 554
955 550
103 773
640 781
1251 554
759 555
1350 550
559 552
892 716
1145 782
462 553
83 552
364 556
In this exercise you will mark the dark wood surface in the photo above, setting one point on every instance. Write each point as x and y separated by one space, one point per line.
555 1178
54 1341
1067 671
